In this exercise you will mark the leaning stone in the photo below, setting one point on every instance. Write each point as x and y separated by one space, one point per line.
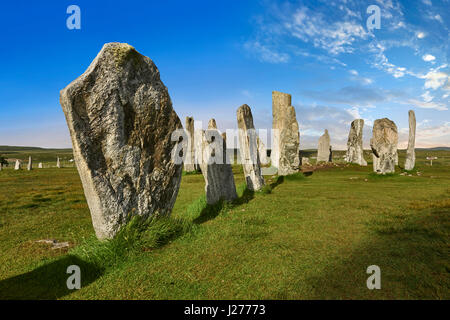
384 145
219 179
121 121
248 149
30 164
410 152
323 149
286 138
18 165
189 165
355 151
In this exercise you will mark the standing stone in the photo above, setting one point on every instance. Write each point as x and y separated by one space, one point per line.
219 179
40 165
212 124
121 121
355 151
305 161
58 162
17 166
410 152
249 149
1 166
189 165
323 150
384 145
286 138
30 164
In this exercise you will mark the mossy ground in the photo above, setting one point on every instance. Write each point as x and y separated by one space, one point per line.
308 238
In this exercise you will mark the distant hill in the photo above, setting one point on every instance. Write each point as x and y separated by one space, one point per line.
434 149
38 149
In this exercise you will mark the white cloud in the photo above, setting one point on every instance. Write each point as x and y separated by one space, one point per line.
427 105
427 2
421 34
354 72
435 79
265 53
427 97
428 57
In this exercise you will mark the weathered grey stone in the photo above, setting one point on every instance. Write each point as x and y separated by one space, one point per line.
286 138
410 161
384 145
18 165
355 151
249 149
219 179
121 120
189 164
305 161
1 166
262 151
40 165
323 149
58 161
30 164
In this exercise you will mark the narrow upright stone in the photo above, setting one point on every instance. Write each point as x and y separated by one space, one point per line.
17 165
189 165
286 138
410 161
384 145
323 149
121 122
355 151
218 175
58 162
30 164
249 149
40 165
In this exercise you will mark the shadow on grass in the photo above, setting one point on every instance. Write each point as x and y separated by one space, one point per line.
48 281
410 248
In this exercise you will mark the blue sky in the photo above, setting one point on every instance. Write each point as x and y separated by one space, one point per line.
217 55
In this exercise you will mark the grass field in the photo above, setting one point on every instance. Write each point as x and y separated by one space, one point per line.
305 238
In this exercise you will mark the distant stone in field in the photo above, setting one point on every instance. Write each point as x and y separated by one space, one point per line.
189 165
30 164
410 152
1 166
18 165
323 149
249 149
40 165
212 124
384 145
58 162
121 121
355 151
219 179
286 137
305 161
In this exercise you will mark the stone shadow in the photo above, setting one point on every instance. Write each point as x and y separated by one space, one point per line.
47 282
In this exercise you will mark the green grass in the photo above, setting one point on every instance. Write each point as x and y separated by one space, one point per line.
300 238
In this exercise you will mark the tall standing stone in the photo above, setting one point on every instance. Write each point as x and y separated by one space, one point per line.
323 149
249 149
1 166
410 152
212 124
58 162
355 151
30 164
384 145
286 138
17 165
218 175
189 164
121 121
